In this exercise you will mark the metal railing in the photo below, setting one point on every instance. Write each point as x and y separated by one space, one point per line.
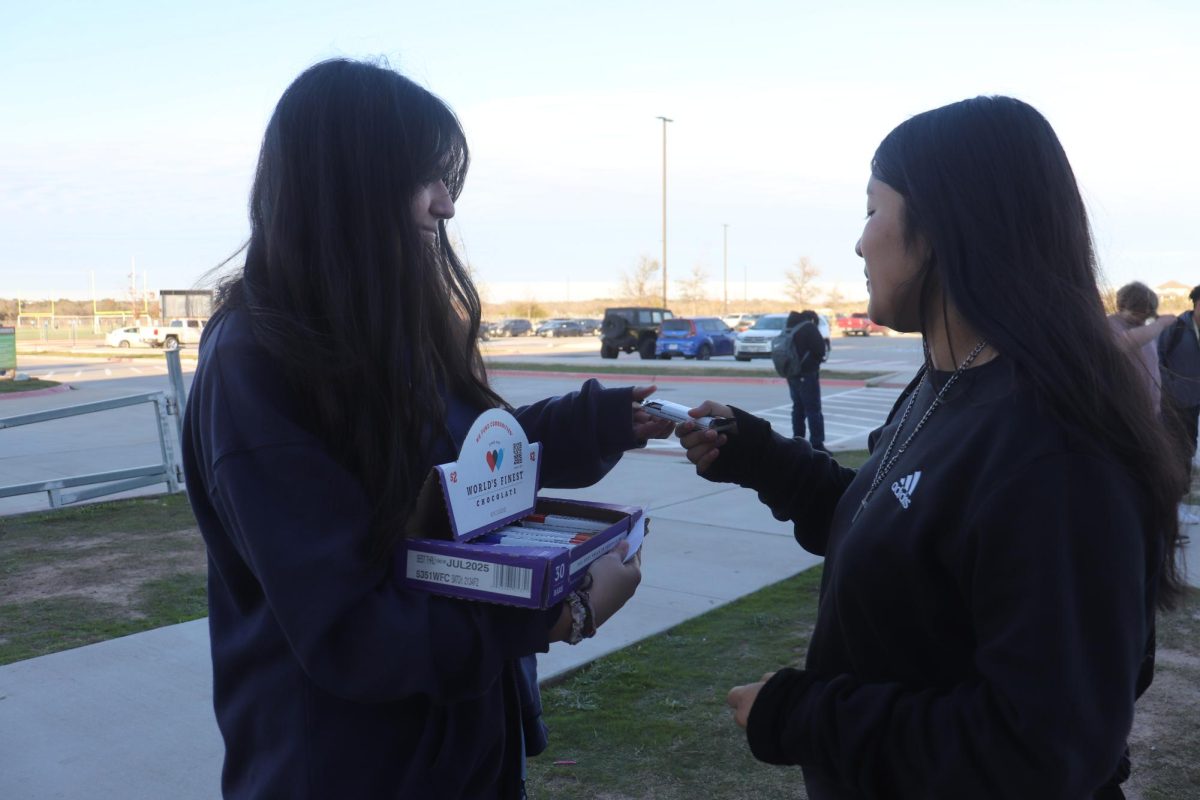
169 471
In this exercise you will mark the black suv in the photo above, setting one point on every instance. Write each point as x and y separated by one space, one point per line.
514 327
630 329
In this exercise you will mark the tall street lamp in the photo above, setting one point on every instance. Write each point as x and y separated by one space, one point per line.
725 269
665 120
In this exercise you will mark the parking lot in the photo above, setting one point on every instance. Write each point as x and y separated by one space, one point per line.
884 354
127 438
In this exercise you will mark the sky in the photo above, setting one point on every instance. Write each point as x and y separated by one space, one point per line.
129 130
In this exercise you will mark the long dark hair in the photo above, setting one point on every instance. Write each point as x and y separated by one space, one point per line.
988 187
372 323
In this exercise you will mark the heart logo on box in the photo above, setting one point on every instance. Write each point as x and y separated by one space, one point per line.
494 457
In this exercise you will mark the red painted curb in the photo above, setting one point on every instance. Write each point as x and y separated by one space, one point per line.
644 380
66 387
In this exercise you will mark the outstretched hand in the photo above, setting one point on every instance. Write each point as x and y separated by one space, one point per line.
703 445
645 426
741 699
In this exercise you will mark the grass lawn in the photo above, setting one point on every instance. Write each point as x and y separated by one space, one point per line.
110 353
650 721
15 387
95 572
646 722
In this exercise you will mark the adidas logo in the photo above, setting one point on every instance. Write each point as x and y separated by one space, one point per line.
905 487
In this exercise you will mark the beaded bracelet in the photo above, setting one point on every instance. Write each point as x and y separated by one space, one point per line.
579 615
589 617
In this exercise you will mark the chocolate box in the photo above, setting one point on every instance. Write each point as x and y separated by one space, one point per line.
467 538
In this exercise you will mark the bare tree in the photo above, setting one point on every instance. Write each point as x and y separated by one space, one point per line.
638 285
800 281
691 289
834 297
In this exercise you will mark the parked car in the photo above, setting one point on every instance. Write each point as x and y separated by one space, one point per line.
560 327
859 325
694 337
546 325
174 334
515 327
630 329
591 327
755 341
124 337
824 327
739 322
487 329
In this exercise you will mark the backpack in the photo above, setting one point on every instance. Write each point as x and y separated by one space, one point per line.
1172 337
783 352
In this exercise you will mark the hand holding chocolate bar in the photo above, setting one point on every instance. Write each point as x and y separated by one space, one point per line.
703 442
646 425
614 580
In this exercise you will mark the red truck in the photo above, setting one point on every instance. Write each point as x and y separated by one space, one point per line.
859 325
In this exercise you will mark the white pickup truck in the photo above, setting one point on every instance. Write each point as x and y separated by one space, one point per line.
174 333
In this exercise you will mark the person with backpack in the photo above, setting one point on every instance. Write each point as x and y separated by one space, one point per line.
1179 363
797 354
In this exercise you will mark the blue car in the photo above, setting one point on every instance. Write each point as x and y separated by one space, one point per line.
694 337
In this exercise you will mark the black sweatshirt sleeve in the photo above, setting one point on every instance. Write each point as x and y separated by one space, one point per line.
797 483
1055 581
583 433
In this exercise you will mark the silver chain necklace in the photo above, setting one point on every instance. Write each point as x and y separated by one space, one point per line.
888 461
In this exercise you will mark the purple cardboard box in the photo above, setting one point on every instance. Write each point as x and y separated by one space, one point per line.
494 483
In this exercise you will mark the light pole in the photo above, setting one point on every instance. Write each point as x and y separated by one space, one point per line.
725 268
665 120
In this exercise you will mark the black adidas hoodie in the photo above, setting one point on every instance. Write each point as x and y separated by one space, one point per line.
985 623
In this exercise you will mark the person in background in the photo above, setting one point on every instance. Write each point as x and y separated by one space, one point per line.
805 386
342 365
1179 360
992 571
1138 325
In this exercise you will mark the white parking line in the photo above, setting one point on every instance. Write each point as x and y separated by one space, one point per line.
135 369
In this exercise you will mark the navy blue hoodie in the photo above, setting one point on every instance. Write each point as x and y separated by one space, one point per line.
329 678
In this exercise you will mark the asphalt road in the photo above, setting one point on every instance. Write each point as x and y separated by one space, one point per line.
128 437
851 412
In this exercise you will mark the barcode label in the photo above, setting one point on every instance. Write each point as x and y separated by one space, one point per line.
508 577
455 572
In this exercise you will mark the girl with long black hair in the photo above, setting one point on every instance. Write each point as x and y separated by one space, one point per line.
992 571
340 367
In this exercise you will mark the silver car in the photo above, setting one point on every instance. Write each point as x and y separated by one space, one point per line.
755 341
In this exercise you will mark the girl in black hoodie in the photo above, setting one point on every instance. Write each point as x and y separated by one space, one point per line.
992 571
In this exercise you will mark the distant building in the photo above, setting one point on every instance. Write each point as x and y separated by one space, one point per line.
1172 289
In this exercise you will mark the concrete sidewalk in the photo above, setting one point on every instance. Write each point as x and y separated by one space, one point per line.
132 718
